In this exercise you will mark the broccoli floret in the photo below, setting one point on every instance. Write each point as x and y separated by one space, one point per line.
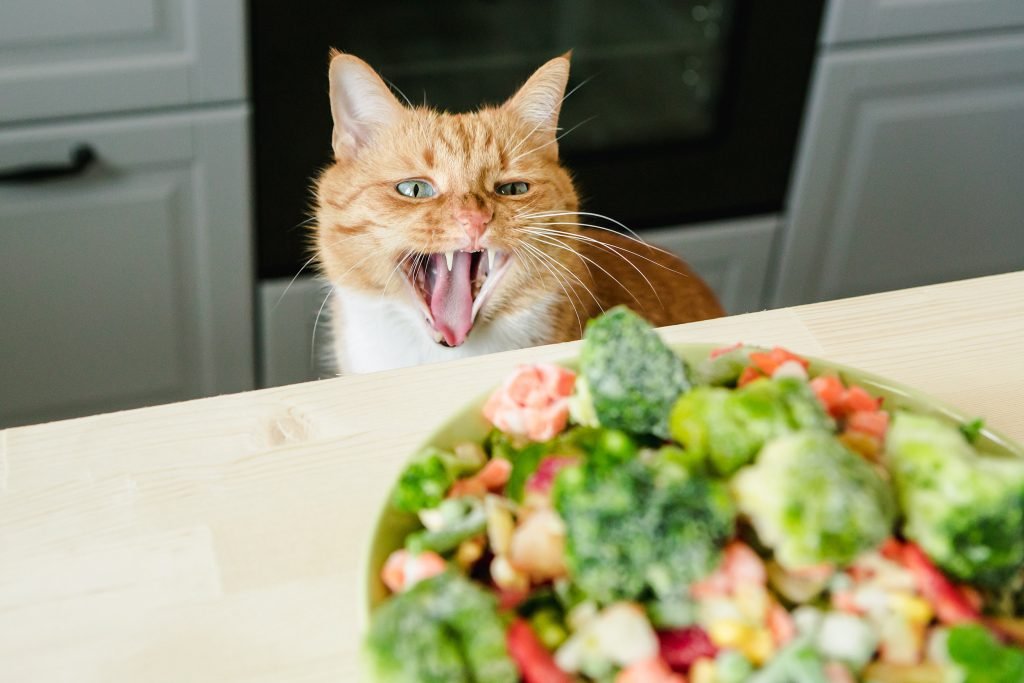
633 378
444 629
965 509
457 520
639 526
981 658
594 443
729 427
426 479
813 501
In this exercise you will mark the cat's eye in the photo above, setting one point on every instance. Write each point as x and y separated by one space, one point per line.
415 188
517 187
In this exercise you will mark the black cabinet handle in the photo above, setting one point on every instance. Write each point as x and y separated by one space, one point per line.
82 157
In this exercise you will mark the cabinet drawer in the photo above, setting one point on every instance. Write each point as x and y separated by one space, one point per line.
67 57
128 282
859 20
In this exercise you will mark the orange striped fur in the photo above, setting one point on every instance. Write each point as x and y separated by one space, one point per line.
560 275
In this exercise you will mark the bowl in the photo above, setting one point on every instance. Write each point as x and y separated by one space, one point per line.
468 424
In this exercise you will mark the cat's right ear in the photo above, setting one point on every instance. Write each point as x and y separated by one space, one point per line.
361 103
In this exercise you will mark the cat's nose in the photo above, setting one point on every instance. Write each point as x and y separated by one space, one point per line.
474 221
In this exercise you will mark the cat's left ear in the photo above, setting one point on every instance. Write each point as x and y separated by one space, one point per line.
361 104
539 101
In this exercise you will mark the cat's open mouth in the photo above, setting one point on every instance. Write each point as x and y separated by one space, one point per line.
453 286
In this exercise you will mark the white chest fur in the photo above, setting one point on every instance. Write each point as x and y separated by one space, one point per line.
378 334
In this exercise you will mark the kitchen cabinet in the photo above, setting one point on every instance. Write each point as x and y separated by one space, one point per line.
910 169
871 20
67 57
125 226
295 331
129 282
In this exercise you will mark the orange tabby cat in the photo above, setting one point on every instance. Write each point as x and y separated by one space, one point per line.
452 235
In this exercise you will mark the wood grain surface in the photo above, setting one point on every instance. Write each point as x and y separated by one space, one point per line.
222 539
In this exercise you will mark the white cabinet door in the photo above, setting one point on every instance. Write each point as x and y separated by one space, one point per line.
858 20
64 57
731 256
130 282
911 170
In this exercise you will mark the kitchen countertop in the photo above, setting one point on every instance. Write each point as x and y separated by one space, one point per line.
222 539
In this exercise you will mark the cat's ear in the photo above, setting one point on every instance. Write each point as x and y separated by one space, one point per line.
540 99
361 103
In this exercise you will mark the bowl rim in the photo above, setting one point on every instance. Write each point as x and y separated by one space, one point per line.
369 581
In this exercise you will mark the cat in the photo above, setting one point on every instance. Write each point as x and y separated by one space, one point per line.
446 236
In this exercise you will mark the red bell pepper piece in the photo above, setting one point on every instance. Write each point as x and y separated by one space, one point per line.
950 602
534 661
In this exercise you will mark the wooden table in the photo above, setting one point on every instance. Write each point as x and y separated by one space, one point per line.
222 539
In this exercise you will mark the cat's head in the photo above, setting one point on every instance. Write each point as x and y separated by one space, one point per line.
428 209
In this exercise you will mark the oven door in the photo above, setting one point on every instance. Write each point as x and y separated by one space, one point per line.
681 110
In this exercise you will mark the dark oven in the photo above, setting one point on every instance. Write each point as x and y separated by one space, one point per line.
682 110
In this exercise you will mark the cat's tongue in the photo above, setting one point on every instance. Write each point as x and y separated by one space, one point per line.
451 297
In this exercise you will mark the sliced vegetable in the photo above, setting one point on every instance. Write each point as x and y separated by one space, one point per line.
535 663
681 647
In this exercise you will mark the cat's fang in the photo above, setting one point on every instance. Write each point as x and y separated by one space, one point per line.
490 260
449 256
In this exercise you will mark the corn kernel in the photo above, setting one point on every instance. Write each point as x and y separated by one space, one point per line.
702 671
759 647
915 609
469 551
500 524
729 633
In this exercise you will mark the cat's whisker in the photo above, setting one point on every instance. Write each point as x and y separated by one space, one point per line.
588 238
526 264
630 251
399 91
559 244
292 282
306 265
560 283
312 341
557 264
611 249
387 282
538 256
550 112
565 285
552 214
551 142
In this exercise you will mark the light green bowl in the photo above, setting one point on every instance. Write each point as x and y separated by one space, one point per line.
469 425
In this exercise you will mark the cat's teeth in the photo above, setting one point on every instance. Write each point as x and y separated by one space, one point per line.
449 256
490 260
